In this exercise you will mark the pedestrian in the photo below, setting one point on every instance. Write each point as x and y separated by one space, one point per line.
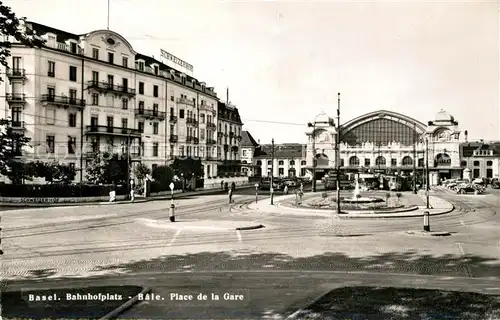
301 187
285 190
230 193
226 185
233 186
222 185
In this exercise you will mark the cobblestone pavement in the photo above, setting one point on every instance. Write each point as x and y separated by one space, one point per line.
130 245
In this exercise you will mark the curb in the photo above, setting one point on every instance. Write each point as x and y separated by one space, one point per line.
394 216
125 306
294 315
251 227
429 233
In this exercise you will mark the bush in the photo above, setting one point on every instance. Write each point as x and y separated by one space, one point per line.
58 190
160 187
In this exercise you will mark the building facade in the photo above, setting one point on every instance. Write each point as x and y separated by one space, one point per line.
481 158
248 146
289 160
229 139
387 142
81 94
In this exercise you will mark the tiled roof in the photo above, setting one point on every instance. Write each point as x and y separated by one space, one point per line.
247 140
289 150
468 148
61 35
228 113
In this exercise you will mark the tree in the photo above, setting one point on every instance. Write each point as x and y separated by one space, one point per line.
141 171
106 169
11 25
50 171
187 167
11 144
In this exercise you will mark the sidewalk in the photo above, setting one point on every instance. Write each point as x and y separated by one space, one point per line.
438 206
138 199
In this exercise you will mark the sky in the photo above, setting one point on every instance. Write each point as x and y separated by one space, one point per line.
285 61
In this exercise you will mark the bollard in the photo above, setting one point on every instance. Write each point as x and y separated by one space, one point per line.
427 226
172 212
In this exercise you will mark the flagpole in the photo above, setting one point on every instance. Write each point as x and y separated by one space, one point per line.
108 14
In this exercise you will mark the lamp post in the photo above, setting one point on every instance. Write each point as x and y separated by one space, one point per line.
427 172
313 125
414 161
337 153
272 171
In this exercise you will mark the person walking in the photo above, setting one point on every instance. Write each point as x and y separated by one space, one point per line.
230 193
233 186
285 190
222 185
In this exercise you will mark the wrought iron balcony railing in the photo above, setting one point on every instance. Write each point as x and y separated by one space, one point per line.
15 97
185 101
96 130
62 100
173 119
16 73
173 138
150 113
105 86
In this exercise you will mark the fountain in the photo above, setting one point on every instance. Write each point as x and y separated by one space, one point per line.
356 198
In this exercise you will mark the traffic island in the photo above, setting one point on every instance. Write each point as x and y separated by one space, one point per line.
103 302
428 233
400 303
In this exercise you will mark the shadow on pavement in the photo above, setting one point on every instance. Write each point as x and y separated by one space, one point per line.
393 304
372 303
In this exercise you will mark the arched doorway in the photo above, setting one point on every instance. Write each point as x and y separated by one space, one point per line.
354 161
291 173
322 160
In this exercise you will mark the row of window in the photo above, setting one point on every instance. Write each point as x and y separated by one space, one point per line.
280 162
489 163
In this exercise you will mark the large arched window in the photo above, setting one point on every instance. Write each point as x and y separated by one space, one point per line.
322 159
407 161
380 161
443 159
381 132
354 161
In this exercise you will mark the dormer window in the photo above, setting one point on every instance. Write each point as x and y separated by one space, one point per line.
72 47
140 65
156 69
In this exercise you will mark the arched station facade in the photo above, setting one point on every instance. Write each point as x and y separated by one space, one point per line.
387 142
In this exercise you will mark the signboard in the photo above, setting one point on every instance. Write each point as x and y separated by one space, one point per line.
181 63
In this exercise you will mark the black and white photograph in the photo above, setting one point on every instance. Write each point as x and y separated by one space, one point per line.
279 160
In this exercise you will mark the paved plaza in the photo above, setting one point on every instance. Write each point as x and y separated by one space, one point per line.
61 245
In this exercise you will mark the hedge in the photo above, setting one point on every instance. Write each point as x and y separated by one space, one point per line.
58 190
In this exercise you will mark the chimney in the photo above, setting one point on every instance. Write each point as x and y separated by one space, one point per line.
466 136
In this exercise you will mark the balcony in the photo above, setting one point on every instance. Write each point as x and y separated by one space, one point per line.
15 98
231 134
150 114
195 122
16 74
112 131
109 87
17 125
196 140
62 101
173 138
135 155
190 120
189 139
220 134
185 101
211 125
211 141
173 119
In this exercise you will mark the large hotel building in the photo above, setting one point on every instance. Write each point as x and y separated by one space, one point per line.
82 94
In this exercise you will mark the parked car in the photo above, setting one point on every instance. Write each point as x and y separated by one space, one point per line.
495 183
470 187
478 181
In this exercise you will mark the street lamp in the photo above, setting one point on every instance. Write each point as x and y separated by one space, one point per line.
427 172
313 125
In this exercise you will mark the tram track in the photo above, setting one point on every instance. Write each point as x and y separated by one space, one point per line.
94 223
